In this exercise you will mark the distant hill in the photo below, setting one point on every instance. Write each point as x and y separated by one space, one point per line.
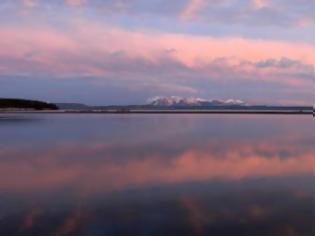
14 103
72 106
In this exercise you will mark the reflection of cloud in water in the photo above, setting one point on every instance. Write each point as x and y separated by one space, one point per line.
102 168
30 219
161 176
195 215
250 211
72 223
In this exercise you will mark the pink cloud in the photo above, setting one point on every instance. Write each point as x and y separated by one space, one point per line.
260 3
192 8
84 49
29 3
76 3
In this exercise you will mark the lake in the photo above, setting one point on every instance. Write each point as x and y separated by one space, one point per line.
133 174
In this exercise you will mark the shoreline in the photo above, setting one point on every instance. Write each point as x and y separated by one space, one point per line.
184 111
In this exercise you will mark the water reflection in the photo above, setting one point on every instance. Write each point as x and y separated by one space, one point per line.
158 175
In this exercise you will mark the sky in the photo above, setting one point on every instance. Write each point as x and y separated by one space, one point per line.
126 51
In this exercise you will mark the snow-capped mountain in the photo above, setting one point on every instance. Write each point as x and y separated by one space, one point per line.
192 101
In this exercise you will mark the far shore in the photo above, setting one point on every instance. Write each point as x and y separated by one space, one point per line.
162 111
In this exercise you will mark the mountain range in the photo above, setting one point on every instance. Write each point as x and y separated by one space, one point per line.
192 101
164 103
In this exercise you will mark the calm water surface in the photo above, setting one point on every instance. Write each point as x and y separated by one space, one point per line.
157 175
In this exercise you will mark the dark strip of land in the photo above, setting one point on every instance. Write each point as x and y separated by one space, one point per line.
15 103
